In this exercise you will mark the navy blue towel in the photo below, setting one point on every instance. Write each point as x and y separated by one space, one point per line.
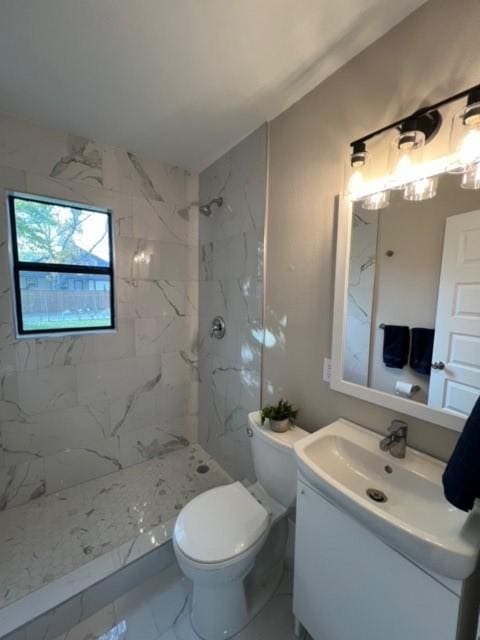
461 478
422 350
396 345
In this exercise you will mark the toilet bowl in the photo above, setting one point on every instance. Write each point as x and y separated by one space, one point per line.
219 534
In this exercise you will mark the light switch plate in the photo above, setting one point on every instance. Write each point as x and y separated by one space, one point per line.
327 369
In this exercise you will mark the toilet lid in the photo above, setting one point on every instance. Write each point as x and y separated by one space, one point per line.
220 524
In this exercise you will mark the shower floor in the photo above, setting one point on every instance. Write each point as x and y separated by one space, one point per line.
128 513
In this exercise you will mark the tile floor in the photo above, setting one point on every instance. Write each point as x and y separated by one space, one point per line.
157 610
50 537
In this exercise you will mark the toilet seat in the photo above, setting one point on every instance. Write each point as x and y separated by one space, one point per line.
220 525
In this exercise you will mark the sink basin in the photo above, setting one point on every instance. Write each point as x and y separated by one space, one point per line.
401 501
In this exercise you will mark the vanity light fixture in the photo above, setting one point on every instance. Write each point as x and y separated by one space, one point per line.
407 171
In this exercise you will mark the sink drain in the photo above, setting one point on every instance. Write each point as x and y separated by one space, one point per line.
376 495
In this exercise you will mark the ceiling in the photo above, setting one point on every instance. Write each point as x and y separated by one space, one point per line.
177 80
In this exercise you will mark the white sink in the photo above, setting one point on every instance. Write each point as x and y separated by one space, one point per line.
343 460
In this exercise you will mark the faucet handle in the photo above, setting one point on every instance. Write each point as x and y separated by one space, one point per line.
398 425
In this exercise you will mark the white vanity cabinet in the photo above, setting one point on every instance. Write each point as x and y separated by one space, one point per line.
349 585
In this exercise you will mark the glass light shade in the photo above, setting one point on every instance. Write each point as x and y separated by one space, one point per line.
410 140
471 177
471 114
376 201
402 164
356 170
464 142
403 171
423 189
469 151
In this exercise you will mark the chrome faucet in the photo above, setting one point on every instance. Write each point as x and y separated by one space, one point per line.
396 441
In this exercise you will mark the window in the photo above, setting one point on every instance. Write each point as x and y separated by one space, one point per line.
62 261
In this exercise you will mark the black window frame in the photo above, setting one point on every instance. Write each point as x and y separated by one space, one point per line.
51 267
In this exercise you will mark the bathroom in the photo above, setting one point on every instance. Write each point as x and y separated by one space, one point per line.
205 147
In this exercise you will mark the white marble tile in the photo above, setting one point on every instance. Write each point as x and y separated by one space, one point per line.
12 179
154 298
28 147
135 377
173 400
15 355
88 193
162 221
240 177
46 389
158 609
22 483
100 526
6 310
140 259
149 442
46 433
232 257
52 352
178 367
231 284
275 621
361 282
38 379
133 608
73 466
96 626
144 178
164 334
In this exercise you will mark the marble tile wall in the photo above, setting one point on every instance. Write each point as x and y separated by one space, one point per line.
231 285
361 283
76 408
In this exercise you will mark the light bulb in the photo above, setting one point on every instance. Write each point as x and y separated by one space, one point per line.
376 201
355 185
469 151
423 189
403 171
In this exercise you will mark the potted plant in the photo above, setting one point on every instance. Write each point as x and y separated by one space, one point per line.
279 416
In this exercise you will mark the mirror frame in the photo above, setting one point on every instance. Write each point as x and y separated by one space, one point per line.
390 401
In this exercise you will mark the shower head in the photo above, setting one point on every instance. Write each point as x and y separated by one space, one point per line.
206 209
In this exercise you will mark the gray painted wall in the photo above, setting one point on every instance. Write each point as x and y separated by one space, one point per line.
430 55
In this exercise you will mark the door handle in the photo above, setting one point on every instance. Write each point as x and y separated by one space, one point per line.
438 365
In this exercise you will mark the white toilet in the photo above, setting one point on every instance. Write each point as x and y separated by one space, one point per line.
219 534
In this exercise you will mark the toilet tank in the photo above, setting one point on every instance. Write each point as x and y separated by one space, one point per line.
273 459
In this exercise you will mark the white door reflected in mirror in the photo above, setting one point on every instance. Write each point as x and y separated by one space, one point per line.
456 385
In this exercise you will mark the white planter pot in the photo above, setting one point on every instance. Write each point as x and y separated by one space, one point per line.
280 426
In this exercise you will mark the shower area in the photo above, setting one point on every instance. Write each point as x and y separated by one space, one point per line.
231 263
104 438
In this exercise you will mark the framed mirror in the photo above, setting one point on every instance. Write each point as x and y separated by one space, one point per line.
406 331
